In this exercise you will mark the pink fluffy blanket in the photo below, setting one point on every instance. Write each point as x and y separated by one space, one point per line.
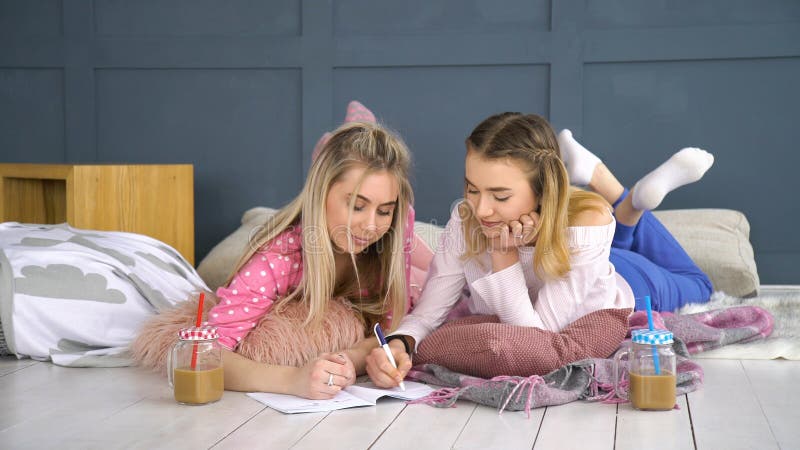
280 337
591 379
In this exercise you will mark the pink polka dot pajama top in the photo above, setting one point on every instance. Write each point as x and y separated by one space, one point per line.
273 272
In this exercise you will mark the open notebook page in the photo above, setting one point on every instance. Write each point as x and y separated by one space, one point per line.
361 394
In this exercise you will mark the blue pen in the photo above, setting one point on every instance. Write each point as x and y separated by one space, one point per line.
382 343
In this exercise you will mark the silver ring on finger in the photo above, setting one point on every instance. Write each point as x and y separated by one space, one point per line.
330 379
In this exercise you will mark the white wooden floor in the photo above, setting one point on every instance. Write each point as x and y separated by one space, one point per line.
744 404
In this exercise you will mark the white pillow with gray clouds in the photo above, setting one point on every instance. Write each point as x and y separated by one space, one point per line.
78 297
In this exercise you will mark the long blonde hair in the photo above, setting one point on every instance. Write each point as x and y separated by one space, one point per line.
381 266
530 141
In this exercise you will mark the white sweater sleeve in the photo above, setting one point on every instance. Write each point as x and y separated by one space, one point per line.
591 283
443 287
506 294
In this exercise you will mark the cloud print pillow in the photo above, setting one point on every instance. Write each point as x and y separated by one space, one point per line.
78 297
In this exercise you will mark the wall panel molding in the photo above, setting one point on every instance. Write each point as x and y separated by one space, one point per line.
552 57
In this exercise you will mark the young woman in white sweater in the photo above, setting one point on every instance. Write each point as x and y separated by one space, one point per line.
536 252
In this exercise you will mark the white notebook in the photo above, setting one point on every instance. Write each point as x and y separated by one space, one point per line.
360 394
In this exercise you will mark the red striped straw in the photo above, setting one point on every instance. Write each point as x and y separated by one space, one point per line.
198 322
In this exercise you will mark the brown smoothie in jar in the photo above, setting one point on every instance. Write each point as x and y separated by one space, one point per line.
196 387
652 392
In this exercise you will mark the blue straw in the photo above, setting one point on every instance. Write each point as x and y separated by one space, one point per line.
656 362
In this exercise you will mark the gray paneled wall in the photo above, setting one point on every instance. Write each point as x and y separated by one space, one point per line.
243 90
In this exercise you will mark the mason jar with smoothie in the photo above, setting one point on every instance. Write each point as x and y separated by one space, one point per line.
194 366
651 373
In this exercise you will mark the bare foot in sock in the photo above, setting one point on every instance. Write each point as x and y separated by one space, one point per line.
580 162
684 167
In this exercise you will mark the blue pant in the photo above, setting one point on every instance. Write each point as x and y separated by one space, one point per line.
653 263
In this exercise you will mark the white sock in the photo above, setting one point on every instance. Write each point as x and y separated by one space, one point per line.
684 167
580 162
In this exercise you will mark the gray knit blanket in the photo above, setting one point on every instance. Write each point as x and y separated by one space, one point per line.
592 379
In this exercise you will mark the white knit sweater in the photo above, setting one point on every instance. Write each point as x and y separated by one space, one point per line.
515 294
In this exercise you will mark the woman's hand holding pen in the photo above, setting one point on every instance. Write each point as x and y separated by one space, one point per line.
382 372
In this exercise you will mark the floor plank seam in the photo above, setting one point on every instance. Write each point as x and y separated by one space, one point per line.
240 426
691 420
378 438
539 430
466 422
310 430
760 405
117 411
20 368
